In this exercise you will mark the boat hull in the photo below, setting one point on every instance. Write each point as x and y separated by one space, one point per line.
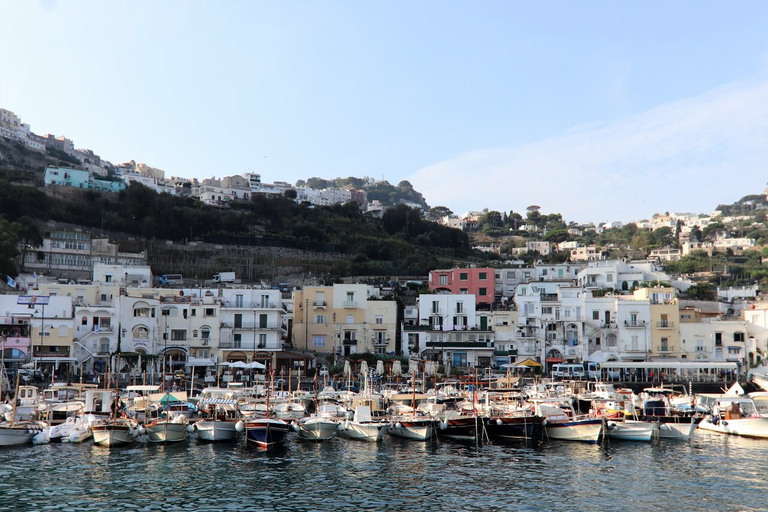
417 430
216 431
745 427
630 430
266 432
372 432
464 428
113 435
16 435
514 428
316 429
166 432
587 431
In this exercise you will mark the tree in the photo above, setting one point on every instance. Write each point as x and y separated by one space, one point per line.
438 212
28 235
701 291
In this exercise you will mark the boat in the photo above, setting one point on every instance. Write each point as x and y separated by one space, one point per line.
112 427
221 418
621 421
27 406
672 424
734 415
560 421
315 427
266 432
414 427
363 426
13 432
167 427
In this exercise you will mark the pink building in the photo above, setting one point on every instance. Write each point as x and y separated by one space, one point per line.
477 281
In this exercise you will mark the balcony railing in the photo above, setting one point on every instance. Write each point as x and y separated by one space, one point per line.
320 303
250 326
630 323
348 342
664 324
350 304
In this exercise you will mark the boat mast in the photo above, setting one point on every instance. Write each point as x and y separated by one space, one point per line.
15 400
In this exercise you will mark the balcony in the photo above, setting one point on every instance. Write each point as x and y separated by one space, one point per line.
349 342
665 324
350 304
320 304
250 326
637 324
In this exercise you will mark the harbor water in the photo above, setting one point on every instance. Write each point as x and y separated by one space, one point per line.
709 472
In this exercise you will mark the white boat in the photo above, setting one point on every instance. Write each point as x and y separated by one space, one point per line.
113 432
658 407
315 427
27 407
168 428
362 426
562 422
19 432
222 422
734 415
77 428
630 430
415 427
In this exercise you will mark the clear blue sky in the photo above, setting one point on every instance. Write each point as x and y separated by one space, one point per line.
598 110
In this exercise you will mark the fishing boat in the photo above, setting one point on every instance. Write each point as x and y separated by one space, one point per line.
266 432
657 407
112 428
406 421
167 427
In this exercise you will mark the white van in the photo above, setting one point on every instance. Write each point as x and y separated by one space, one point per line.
568 371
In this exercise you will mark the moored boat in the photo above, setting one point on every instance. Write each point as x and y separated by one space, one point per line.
266 432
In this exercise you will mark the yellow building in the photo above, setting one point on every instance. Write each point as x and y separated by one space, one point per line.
341 319
665 321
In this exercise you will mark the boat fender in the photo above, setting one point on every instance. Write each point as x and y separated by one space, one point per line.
132 432
239 426
443 424
725 423
499 421
611 425
191 428
142 431
341 426
544 422
398 425
295 427
40 438
663 426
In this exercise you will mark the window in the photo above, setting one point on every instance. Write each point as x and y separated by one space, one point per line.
237 340
464 291
483 276
546 310
436 306
262 340
738 336
178 334
459 307
205 333
263 321
633 319
239 300
463 276
595 315
140 332
209 312
379 319
718 339
664 345
483 292
141 312
321 319
443 280
318 341
350 319
193 311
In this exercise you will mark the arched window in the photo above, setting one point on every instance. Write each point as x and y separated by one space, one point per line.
140 332
205 332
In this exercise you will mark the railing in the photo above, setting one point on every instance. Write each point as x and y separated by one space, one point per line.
629 323
350 304
249 326
350 342
664 324
320 303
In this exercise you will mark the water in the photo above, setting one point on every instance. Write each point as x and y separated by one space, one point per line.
709 472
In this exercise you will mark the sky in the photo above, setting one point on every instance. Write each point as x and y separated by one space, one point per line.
600 111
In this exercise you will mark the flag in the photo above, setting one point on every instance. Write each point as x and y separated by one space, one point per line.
10 281
35 274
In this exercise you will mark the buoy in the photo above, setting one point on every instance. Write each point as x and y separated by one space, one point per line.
142 431
398 425
295 427
499 421
239 426
443 424
191 428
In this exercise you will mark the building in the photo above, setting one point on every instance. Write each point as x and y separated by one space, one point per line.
479 282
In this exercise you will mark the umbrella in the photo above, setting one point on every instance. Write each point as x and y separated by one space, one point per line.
238 364
256 366
429 367
363 367
347 369
396 367
379 367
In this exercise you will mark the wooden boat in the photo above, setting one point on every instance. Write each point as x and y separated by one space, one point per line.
362 426
14 432
221 419
561 421
266 432
112 428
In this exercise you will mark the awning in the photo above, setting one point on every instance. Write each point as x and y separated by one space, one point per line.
199 361
528 362
555 360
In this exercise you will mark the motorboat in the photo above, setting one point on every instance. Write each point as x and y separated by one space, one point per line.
167 427
316 427
734 415
560 421
363 426
221 420
672 423
113 432
266 432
